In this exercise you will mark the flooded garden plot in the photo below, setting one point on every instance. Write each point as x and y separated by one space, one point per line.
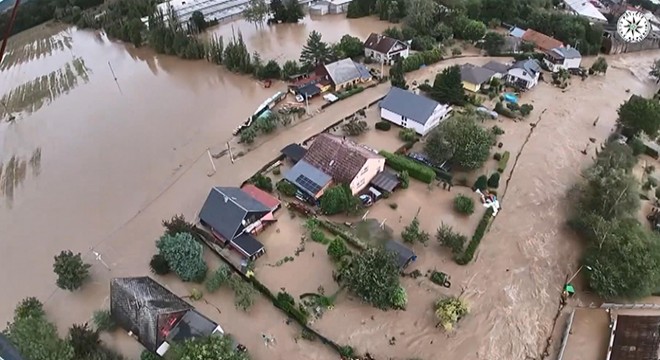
41 41
33 95
14 172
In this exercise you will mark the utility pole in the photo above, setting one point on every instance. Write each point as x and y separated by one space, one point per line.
114 77
10 26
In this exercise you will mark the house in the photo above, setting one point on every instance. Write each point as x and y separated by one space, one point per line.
310 181
233 216
404 256
338 6
497 67
7 350
585 9
293 152
562 58
155 316
517 32
413 111
474 77
345 161
542 41
263 197
384 49
344 73
310 86
524 74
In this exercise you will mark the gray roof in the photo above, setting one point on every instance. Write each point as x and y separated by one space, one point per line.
386 181
363 70
531 66
137 304
414 107
475 74
342 71
295 152
403 253
191 325
248 243
7 350
304 169
498 67
567 52
226 208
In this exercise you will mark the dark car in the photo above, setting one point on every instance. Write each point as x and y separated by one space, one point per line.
445 166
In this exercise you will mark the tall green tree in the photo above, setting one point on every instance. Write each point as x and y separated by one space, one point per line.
640 115
256 12
294 11
290 68
397 75
493 43
278 10
373 275
84 340
448 87
462 140
197 21
184 255
351 46
421 15
71 270
237 57
212 347
36 338
315 51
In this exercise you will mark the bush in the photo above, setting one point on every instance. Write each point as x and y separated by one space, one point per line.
407 135
413 233
394 206
286 302
502 164
637 146
286 188
451 239
184 255
383 125
196 294
29 307
103 321
148 355
218 278
277 171
497 130
449 311
464 204
337 231
404 178
159 265
494 180
319 236
481 183
476 238
456 51
339 199
178 224
657 193
438 278
526 109
497 156
415 170
70 269
337 249
264 183
502 110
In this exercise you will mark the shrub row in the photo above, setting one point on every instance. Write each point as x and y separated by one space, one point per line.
351 92
502 162
476 238
337 231
415 170
415 61
280 301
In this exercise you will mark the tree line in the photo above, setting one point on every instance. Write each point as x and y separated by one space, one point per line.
35 12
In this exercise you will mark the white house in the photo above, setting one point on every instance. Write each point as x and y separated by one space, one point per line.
413 111
384 49
562 58
524 74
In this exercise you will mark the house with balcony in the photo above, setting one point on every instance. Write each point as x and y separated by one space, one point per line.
384 49
524 74
562 58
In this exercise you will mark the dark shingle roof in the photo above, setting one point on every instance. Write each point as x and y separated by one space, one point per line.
414 107
303 168
7 350
475 74
137 304
248 243
403 253
381 43
294 152
192 325
498 67
225 209
636 338
340 158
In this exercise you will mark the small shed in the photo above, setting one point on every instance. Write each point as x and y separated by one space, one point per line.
295 152
404 254
385 181
248 246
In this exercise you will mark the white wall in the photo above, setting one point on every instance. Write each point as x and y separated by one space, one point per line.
440 114
403 53
370 169
573 63
522 74
568 64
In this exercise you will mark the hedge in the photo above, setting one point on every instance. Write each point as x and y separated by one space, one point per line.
502 163
476 238
337 231
383 125
351 92
415 170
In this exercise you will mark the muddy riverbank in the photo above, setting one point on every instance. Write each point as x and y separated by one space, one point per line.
115 158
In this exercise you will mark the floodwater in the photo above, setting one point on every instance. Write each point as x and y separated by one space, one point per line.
90 163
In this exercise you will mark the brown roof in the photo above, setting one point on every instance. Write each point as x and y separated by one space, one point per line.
340 158
381 43
636 338
261 196
542 41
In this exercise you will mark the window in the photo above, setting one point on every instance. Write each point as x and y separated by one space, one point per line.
364 170
360 183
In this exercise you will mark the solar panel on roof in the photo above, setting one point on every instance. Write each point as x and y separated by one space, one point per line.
308 184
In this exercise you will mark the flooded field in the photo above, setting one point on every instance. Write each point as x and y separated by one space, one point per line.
99 164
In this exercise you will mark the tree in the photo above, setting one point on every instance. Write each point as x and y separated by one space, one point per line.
639 114
286 188
449 311
413 233
351 46
263 182
103 320
236 57
269 71
266 125
421 14
373 275
244 292
338 199
197 21
423 43
212 347
493 42
472 30
83 340
451 239
159 265
526 109
407 135
36 338
448 86
464 204
481 183
278 10
397 75
29 307
599 66
248 135
256 12
461 139
315 51
494 180
71 270
179 224
218 278
337 249
290 68
184 255
294 11
404 179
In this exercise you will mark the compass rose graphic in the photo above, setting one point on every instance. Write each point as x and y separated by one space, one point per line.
633 26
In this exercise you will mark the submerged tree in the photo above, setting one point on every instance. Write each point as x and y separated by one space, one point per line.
211 347
315 51
373 275
237 56
278 10
197 21
449 311
256 12
639 114
461 139
184 255
71 270
448 86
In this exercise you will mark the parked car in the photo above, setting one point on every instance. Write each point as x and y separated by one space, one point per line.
366 200
445 166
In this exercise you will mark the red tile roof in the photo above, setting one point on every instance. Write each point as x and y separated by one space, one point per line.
542 41
261 196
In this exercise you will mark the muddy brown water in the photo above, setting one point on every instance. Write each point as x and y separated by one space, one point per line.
98 164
